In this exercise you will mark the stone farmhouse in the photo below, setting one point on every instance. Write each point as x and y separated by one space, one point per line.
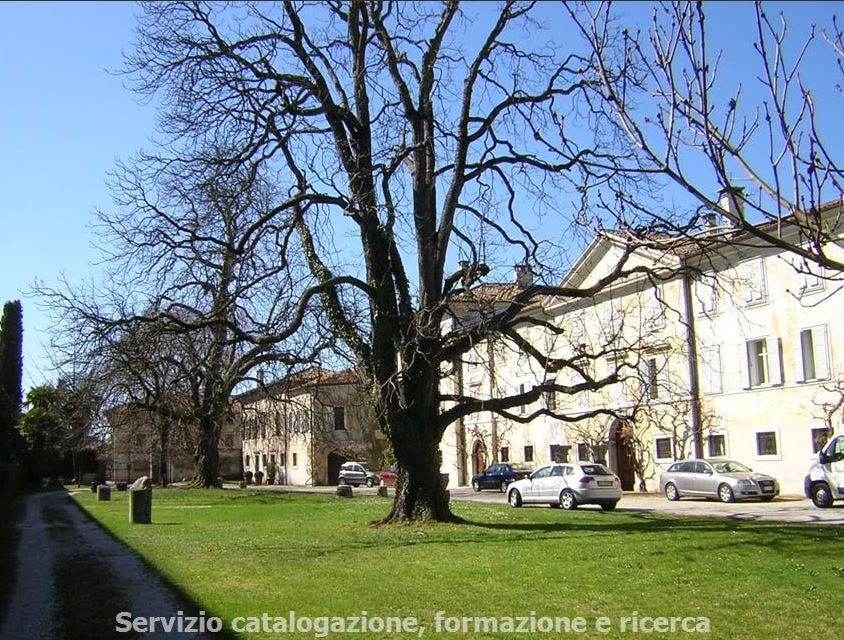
728 348
306 425
135 448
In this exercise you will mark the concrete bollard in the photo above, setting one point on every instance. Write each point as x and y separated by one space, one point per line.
382 491
103 493
344 491
140 501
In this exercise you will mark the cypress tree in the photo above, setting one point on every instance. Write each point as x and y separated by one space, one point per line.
11 373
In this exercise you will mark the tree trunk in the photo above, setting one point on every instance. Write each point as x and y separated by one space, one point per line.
420 492
164 442
207 456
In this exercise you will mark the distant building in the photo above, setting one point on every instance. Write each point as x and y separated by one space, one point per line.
135 448
306 425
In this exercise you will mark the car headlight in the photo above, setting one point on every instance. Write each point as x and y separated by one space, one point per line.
745 483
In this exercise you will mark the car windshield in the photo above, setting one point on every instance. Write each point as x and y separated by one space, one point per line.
595 470
730 466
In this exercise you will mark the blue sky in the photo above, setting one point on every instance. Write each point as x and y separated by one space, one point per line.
65 119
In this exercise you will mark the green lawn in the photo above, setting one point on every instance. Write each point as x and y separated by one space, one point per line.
238 553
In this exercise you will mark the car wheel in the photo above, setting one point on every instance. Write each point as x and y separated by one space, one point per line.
671 492
370 482
515 498
567 500
609 507
821 495
725 493
503 486
476 485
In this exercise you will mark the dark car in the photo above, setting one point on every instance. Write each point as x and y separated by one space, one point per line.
500 475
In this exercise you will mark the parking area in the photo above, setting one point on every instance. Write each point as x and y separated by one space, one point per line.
782 509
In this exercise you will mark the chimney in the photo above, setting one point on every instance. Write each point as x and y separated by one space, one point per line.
731 200
523 274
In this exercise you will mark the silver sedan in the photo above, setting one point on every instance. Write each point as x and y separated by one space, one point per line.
726 480
567 485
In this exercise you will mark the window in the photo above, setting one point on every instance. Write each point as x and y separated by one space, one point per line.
559 453
282 458
717 445
505 454
710 369
813 363
706 295
246 462
752 277
528 453
764 361
766 443
551 400
583 451
295 459
819 438
809 278
757 362
655 311
663 448
339 418
655 377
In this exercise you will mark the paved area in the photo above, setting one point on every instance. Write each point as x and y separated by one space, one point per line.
52 529
781 509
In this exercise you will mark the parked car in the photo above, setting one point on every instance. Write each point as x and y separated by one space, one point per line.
387 475
568 486
355 474
726 480
825 482
500 475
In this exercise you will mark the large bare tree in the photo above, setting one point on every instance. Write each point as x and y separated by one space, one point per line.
196 298
417 148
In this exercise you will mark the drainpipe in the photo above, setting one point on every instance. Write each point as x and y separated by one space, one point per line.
691 344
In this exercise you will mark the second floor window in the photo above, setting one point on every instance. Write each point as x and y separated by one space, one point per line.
339 418
528 453
814 359
763 362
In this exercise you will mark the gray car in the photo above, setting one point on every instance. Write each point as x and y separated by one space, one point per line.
567 485
726 480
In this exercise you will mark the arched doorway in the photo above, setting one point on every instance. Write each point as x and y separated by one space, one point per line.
334 462
478 457
623 456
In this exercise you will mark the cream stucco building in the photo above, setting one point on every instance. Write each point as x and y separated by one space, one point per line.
306 425
721 345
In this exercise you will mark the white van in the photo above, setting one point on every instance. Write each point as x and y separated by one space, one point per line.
825 482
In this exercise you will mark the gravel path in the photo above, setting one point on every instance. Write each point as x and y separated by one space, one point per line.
32 609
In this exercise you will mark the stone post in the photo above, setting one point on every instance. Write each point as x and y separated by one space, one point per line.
344 491
140 501
103 493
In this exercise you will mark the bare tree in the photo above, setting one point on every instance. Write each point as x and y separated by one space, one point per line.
698 128
197 298
423 132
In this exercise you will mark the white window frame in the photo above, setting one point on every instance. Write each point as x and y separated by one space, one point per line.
706 295
808 281
821 360
655 311
710 369
778 440
772 362
754 286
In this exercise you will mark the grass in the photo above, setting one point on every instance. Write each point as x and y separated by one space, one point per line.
238 553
